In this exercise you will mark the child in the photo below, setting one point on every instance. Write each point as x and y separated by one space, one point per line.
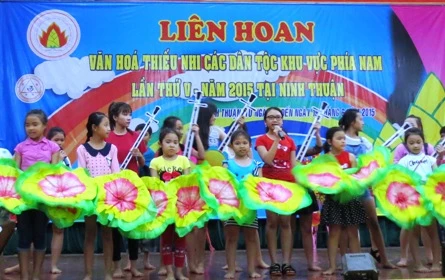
278 151
146 244
175 123
167 162
352 124
399 152
338 216
100 158
259 262
149 154
209 135
123 138
31 224
57 135
417 161
241 165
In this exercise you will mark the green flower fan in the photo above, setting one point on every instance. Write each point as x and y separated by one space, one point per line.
398 198
219 189
164 198
324 175
55 185
281 197
433 192
8 162
370 166
63 217
191 209
123 201
9 198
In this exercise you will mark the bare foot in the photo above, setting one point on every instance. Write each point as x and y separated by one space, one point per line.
149 266
330 271
88 277
255 275
118 273
180 276
136 273
108 277
421 269
229 275
262 264
388 265
12 269
313 268
198 270
402 263
55 270
436 268
170 276
162 271
237 268
127 267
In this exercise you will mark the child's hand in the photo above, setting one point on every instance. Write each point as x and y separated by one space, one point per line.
62 154
136 153
241 121
317 127
277 131
195 129
440 149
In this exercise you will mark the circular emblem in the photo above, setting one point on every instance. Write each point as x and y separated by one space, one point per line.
53 34
29 88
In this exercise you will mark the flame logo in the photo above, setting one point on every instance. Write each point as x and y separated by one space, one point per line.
53 37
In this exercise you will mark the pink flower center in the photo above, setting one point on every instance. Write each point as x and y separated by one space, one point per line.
121 193
326 180
402 195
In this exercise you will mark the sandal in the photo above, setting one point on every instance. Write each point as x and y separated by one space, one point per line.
288 270
275 270
375 254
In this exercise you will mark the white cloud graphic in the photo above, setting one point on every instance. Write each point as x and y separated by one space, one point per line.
71 76
197 77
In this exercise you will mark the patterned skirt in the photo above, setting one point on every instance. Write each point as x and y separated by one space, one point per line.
345 214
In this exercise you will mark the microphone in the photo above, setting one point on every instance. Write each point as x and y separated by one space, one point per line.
281 133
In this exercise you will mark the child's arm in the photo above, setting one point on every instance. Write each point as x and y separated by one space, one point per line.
352 160
293 158
222 134
318 142
268 155
81 157
55 157
154 168
18 159
186 171
115 168
200 153
154 173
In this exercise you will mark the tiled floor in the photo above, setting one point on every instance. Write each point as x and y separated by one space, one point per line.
72 267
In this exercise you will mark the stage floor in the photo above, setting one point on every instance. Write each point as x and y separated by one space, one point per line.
72 267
